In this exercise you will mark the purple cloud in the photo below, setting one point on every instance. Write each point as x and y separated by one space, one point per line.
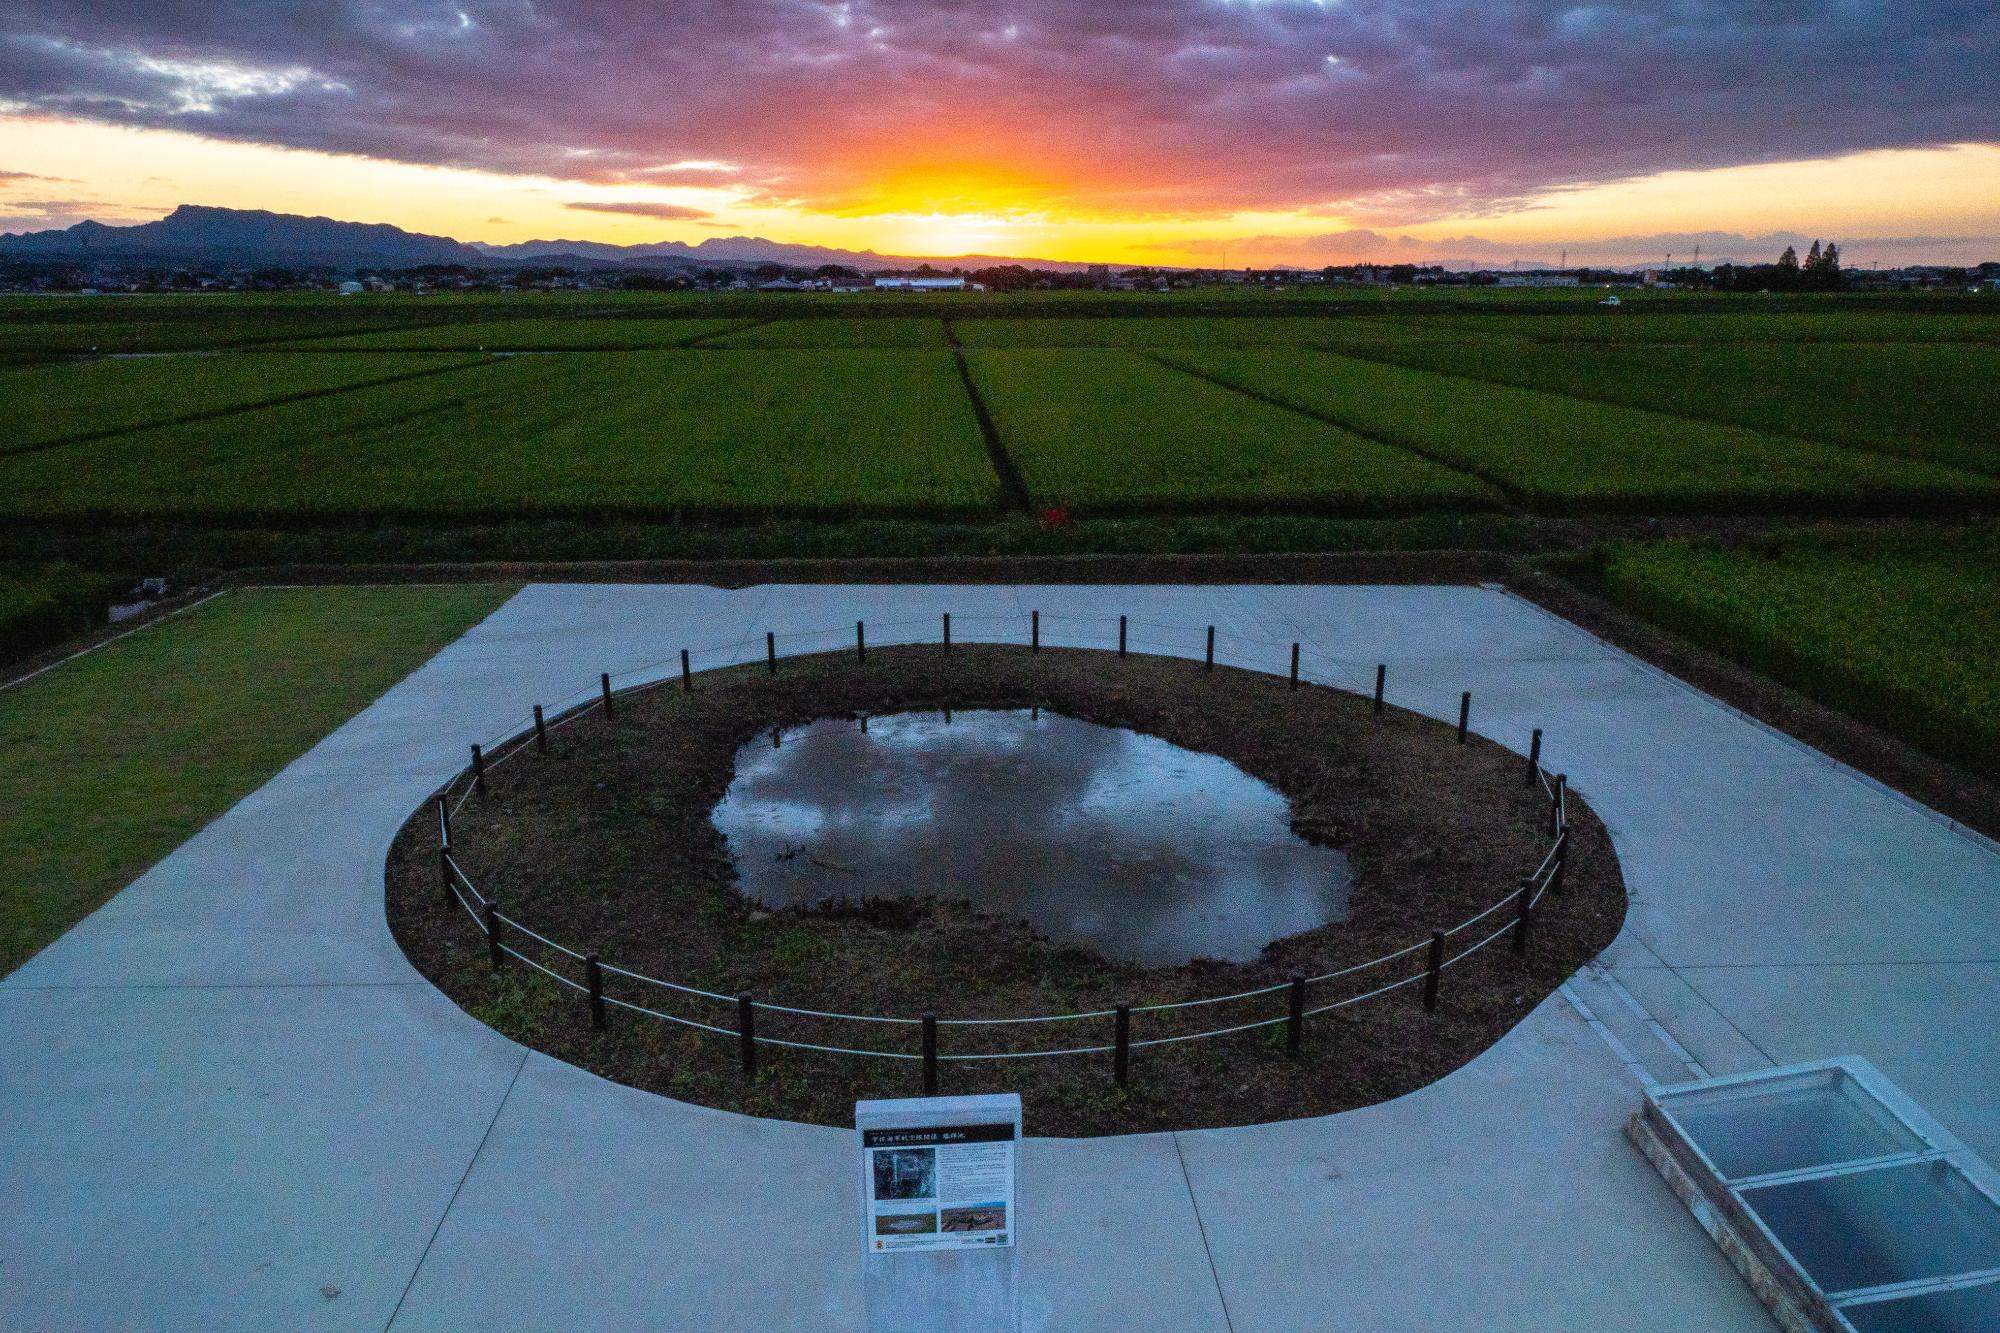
1389 111
26 215
644 209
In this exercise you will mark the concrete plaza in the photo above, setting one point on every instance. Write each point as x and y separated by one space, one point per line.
230 1103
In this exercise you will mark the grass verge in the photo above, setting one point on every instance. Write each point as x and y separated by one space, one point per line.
111 761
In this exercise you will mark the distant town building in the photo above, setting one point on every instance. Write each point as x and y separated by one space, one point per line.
920 284
1535 280
350 288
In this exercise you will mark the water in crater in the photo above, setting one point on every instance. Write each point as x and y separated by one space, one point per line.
1096 835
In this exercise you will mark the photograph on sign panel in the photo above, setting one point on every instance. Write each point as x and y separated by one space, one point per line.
906 1173
906 1224
974 1217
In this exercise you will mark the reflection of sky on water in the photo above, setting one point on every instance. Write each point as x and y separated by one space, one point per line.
1152 853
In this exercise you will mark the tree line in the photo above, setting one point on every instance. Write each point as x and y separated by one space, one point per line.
1819 271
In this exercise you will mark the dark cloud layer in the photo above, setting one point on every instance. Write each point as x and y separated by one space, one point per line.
1426 108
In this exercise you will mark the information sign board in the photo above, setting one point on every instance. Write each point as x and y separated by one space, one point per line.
940 1213
940 1187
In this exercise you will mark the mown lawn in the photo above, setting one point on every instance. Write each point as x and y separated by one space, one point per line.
109 762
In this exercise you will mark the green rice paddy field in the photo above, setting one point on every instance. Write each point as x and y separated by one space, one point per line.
1215 420
1902 629
219 409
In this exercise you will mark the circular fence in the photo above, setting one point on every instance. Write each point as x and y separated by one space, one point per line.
1511 913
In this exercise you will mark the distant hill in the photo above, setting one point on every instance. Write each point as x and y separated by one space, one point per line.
195 233
245 236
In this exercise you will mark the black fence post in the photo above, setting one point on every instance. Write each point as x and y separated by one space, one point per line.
1295 666
687 674
1121 636
478 769
1381 677
491 911
771 651
1209 665
930 1054
1295 1017
947 633
746 1035
1121 1042
1034 631
604 679
1561 870
541 732
1523 905
444 874
1562 802
444 822
1433 970
1555 812
860 641
1534 756
594 974
1464 713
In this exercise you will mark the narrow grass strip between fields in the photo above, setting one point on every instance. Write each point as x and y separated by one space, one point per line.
1499 484
238 409
702 339
1013 490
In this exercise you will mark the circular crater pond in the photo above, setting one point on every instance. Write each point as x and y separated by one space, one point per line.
1095 835
1088 831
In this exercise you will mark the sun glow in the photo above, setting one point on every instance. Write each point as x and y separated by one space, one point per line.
955 233
939 188
57 171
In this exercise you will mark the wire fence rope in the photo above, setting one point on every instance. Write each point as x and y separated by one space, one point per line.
663 672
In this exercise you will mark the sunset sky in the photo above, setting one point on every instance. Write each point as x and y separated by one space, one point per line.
1182 132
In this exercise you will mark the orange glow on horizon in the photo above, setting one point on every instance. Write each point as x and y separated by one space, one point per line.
930 187
939 203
